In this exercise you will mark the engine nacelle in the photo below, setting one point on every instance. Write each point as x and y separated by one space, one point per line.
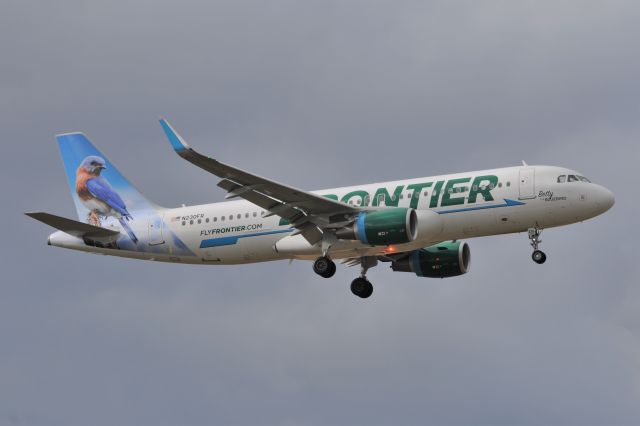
393 226
447 259
383 227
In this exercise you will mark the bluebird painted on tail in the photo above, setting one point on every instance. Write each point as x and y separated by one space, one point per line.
98 196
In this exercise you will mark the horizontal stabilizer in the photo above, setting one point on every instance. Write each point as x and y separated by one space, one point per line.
73 227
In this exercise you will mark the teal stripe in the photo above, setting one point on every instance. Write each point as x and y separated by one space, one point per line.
231 240
507 203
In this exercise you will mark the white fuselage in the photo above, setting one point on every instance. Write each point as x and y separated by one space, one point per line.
236 232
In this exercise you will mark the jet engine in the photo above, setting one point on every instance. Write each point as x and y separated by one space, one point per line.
447 259
392 226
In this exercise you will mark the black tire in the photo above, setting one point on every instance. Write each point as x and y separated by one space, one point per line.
361 287
324 267
539 257
331 271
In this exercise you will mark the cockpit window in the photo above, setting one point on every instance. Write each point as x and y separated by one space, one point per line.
573 178
562 179
584 179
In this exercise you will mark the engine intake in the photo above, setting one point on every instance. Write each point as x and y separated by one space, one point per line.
383 227
447 259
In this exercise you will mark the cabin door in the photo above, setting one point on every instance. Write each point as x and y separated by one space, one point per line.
155 230
527 183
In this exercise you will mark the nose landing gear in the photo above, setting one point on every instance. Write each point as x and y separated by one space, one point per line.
538 256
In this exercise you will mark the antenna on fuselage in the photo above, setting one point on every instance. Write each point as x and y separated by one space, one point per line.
524 163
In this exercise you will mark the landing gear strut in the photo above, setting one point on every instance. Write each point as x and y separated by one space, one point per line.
324 267
361 286
538 256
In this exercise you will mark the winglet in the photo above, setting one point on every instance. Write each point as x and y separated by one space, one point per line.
177 142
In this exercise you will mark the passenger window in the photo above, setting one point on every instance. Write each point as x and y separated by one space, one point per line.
207 220
199 221
190 222
508 183
572 178
499 184
246 215
222 218
215 219
239 216
426 193
184 223
255 214
562 179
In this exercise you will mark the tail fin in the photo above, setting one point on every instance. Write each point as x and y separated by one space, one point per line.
98 189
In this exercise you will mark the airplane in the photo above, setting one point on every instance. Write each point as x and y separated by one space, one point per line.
415 225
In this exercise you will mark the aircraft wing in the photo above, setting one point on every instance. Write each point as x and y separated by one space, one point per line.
308 213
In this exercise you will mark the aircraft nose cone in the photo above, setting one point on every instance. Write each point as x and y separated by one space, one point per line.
604 199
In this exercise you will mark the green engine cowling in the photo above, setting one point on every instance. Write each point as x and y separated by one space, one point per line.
447 259
383 227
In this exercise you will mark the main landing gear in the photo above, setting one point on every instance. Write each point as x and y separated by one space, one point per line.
324 267
361 287
538 256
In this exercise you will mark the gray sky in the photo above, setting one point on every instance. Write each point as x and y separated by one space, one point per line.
320 94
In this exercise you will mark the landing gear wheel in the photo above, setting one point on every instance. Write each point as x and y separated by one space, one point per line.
534 235
324 267
539 257
361 287
331 272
